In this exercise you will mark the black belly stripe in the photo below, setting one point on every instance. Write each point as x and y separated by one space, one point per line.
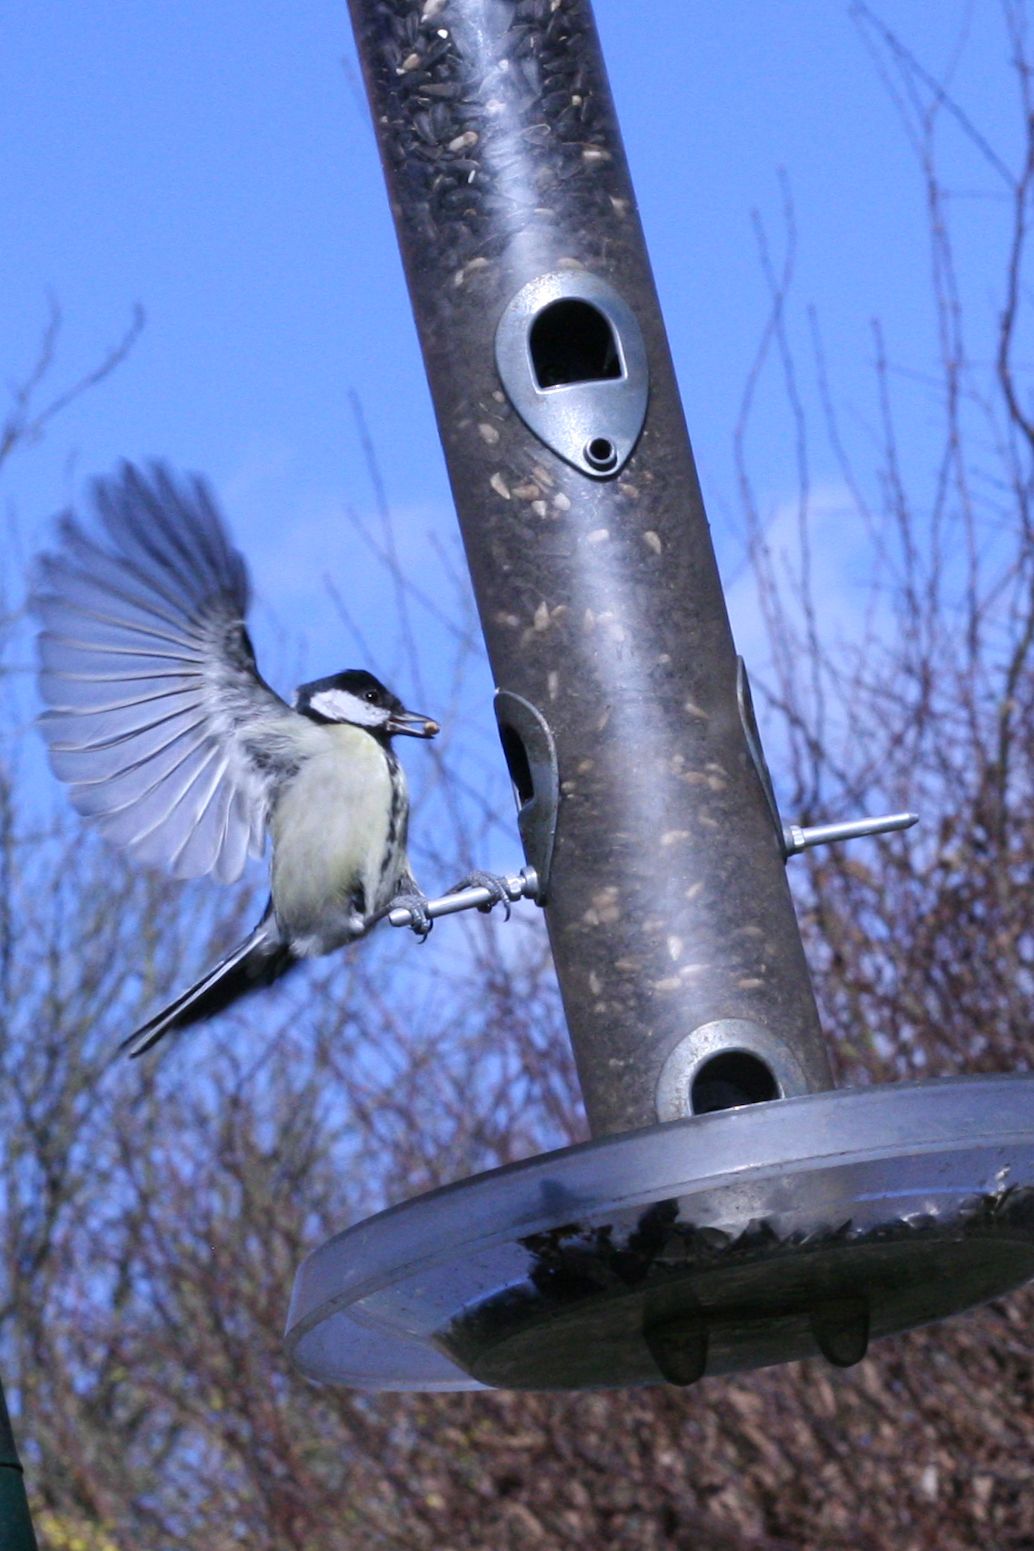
389 863
395 811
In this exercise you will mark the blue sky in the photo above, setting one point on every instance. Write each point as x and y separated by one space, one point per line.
213 163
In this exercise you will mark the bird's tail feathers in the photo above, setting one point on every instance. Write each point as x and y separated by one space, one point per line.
257 961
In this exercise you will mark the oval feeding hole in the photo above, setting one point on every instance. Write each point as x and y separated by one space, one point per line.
571 341
731 1078
517 762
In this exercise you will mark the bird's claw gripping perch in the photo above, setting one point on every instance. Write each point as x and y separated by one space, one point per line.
414 907
497 884
477 891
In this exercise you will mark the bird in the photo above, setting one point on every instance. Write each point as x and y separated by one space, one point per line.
174 746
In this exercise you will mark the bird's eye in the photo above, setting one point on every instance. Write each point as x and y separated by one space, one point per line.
372 696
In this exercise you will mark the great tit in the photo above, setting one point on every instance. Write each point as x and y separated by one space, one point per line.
175 747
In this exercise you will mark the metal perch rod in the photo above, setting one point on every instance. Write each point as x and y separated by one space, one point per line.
797 838
522 885
525 884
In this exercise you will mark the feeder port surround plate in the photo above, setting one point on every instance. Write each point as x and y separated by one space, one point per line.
714 1244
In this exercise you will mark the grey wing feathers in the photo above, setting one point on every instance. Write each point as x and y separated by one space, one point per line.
157 708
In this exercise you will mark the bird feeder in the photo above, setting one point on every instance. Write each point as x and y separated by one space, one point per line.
733 1208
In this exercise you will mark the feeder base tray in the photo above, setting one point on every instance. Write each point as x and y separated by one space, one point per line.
711 1245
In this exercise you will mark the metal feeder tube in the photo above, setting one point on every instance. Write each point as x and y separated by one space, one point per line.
666 897
731 1211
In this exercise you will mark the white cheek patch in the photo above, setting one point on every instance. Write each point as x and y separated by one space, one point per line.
337 705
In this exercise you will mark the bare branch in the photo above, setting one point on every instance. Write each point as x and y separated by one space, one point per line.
26 422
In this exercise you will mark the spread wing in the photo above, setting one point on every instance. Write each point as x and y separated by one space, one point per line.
159 720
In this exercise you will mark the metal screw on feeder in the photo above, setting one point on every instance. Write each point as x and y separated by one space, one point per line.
733 1208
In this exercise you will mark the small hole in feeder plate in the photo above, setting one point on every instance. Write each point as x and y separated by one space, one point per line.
601 453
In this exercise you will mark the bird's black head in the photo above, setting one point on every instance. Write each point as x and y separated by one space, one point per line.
361 700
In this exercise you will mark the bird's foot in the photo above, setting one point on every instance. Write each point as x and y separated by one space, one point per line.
499 887
419 920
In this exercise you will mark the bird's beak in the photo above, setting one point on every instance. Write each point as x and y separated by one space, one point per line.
411 724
